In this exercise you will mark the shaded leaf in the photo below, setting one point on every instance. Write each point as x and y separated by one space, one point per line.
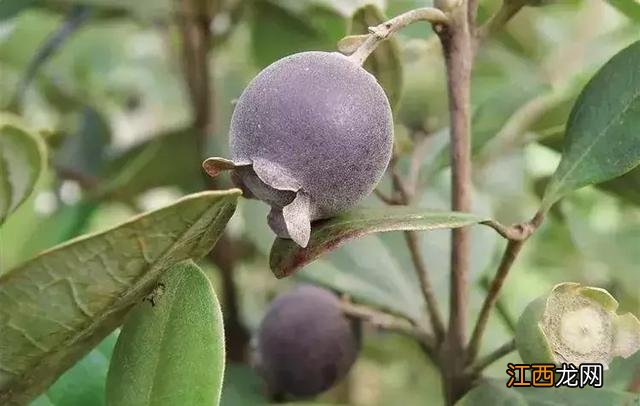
602 140
242 386
495 392
385 62
22 158
83 152
170 159
287 257
57 306
369 272
171 348
11 8
84 383
278 31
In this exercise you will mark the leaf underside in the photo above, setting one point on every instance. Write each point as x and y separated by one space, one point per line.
57 306
21 161
287 257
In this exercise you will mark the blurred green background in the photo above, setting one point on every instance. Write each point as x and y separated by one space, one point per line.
112 101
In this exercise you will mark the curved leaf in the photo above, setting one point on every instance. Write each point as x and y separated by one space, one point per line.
385 62
22 158
287 257
171 348
602 139
57 306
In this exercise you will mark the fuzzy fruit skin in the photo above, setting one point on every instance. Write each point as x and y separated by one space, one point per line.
322 120
305 344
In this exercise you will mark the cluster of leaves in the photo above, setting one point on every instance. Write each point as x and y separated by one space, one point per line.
93 86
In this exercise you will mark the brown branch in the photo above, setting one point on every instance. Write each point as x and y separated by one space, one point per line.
425 284
420 266
514 246
458 54
196 43
456 43
492 357
386 29
501 307
389 322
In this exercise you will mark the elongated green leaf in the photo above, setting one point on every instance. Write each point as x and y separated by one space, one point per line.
602 139
287 256
495 392
385 62
22 158
171 348
57 306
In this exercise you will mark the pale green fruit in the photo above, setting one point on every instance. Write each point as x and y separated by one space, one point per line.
576 324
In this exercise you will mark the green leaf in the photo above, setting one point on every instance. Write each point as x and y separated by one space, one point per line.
57 306
22 158
83 151
385 62
602 140
11 8
369 273
630 8
170 159
495 392
242 386
171 348
84 383
287 257
278 31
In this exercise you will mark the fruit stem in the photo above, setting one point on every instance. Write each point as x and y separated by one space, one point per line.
514 246
384 30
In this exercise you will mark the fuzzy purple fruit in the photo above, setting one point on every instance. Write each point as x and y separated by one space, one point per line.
311 136
305 343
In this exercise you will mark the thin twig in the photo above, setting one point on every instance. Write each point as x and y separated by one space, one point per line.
384 198
514 247
492 357
508 9
386 321
501 307
74 20
425 284
420 266
384 30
